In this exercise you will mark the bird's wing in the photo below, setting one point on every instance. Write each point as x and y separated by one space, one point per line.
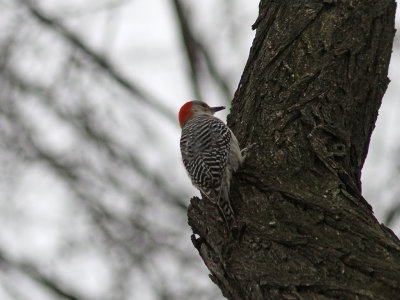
205 157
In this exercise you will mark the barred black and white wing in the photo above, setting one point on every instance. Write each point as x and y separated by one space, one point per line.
205 147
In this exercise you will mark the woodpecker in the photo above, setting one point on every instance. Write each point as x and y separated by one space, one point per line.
210 153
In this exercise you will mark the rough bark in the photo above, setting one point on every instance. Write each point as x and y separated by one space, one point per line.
309 97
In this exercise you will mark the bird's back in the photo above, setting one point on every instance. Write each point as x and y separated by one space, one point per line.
205 146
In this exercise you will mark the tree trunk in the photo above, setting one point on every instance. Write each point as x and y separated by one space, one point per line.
309 97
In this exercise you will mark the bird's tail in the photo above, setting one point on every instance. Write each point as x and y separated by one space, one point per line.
226 209
220 197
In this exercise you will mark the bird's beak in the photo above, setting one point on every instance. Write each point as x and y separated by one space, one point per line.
217 108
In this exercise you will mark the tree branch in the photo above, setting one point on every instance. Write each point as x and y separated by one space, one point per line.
83 124
102 62
48 283
195 51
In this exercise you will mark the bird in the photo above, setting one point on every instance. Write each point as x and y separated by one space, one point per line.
210 153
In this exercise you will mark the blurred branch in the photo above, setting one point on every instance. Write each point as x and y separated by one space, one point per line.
191 48
33 272
81 121
8 42
106 222
100 61
392 215
195 49
212 68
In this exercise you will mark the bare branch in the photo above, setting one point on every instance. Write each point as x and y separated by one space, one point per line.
195 52
100 61
35 274
84 126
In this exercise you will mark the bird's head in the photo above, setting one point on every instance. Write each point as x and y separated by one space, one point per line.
195 108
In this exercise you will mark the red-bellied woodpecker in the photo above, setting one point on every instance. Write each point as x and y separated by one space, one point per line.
210 153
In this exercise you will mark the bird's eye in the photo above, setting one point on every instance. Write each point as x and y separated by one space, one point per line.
204 105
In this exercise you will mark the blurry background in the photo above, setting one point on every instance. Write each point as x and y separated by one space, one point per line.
93 193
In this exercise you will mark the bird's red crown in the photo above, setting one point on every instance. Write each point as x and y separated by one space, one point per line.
186 111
